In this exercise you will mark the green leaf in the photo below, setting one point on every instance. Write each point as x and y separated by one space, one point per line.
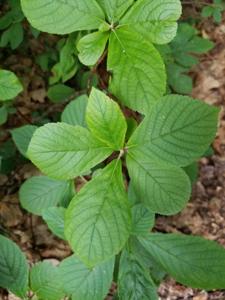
10 85
179 81
55 218
45 281
199 45
12 36
132 196
60 92
3 114
98 220
143 256
155 20
13 268
186 43
163 188
61 17
178 130
192 172
114 9
68 63
217 15
105 120
84 283
131 127
135 282
22 136
75 111
142 220
139 77
40 192
207 11
192 261
63 151
6 20
91 47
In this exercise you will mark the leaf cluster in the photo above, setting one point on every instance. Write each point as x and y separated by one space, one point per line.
214 10
181 55
131 170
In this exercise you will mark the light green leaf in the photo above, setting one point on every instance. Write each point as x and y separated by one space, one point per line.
98 220
134 199
22 136
192 261
45 281
84 283
55 218
10 85
91 47
40 192
155 20
63 151
114 9
61 17
139 76
135 282
142 220
105 120
178 130
163 188
13 268
59 92
75 111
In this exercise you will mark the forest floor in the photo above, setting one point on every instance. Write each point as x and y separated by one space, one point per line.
204 215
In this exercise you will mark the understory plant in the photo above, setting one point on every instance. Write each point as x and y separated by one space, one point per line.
130 145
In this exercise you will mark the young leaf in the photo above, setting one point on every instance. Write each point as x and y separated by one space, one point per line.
75 111
135 282
91 47
192 261
55 218
155 20
59 92
139 77
40 192
105 120
114 9
10 85
142 220
98 220
63 17
22 136
178 130
164 189
84 283
63 151
13 268
45 281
